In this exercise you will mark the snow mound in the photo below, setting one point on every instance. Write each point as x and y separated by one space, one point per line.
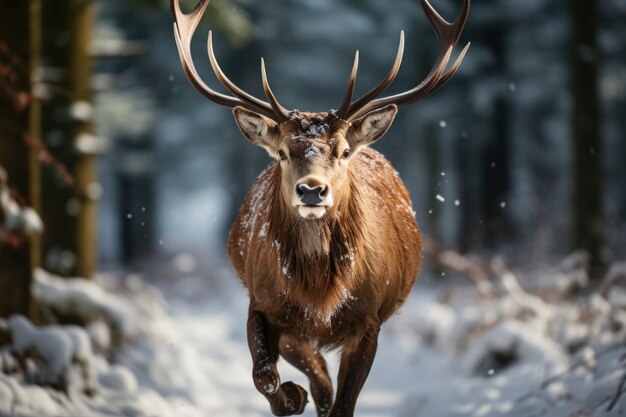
510 343
55 356
119 378
66 370
521 353
89 302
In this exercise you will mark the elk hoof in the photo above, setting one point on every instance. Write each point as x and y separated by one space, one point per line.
294 400
297 395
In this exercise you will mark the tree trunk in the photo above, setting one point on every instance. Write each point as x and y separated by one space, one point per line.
136 209
70 244
59 202
497 176
19 123
82 13
588 215
496 163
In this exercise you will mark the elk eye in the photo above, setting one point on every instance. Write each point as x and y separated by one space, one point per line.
282 155
345 154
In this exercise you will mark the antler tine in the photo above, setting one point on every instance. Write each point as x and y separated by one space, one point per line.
196 81
185 25
278 109
451 71
347 100
422 90
188 21
444 29
225 81
448 35
386 82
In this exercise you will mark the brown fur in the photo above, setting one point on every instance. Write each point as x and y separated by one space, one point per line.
267 248
326 282
326 243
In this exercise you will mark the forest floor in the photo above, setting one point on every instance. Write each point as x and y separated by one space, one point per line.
179 349
214 362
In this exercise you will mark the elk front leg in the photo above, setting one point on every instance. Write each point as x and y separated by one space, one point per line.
285 399
356 362
313 364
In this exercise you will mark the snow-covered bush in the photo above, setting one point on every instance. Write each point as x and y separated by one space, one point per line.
570 322
69 371
55 356
509 343
68 357
14 218
53 371
557 350
89 304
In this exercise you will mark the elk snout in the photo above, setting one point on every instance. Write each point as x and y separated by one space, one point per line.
312 197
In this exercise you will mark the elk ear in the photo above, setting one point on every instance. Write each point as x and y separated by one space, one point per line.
372 126
257 129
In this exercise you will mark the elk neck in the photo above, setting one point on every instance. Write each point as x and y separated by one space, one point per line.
319 254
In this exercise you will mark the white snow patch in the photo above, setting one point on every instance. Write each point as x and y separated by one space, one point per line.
515 340
311 152
119 378
263 231
17 219
55 347
91 302
515 354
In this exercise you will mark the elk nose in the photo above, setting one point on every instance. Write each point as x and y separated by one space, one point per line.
311 196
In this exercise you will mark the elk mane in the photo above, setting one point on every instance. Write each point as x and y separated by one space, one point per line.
321 279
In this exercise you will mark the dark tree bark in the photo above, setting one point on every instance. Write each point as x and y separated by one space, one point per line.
466 237
59 201
497 175
19 124
70 246
82 14
496 162
136 202
588 215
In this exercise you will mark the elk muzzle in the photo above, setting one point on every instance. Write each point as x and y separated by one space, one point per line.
312 197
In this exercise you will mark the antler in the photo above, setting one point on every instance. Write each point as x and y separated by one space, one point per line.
448 35
184 28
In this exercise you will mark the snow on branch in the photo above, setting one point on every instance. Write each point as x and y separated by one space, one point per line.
15 219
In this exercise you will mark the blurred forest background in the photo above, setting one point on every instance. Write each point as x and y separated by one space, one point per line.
110 160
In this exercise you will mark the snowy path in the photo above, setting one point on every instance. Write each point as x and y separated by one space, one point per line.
481 358
409 378
217 363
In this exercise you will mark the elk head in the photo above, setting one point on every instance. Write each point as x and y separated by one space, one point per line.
314 149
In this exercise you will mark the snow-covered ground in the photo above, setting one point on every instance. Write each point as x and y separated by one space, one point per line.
447 353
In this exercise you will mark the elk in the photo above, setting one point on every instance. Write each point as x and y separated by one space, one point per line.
326 242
